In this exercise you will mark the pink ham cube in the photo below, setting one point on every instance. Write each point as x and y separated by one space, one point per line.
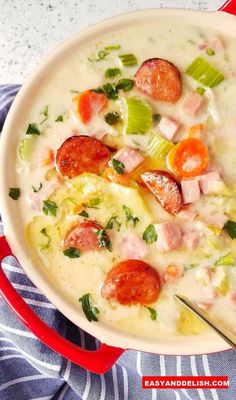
187 213
207 181
218 220
215 44
190 190
169 236
169 127
194 104
191 239
131 158
132 247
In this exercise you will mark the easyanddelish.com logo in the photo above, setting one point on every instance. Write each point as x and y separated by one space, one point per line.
181 382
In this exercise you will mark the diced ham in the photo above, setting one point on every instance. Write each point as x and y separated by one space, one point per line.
218 220
35 200
207 181
191 239
132 247
190 190
215 44
130 157
194 104
233 297
169 127
204 306
187 213
169 236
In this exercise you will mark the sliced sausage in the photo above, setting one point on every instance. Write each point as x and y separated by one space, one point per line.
80 154
165 189
83 236
132 282
160 79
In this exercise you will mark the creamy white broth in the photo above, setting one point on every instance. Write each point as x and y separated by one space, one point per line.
75 277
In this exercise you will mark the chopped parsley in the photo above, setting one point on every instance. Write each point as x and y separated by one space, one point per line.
230 228
112 223
153 313
129 216
210 52
118 166
84 214
44 113
14 193
71 252
60 118
156 118
90 312
103 239
112 118
33 129
50 207
47 244
150 235
200 90
38 189
112 72
125 84
109 89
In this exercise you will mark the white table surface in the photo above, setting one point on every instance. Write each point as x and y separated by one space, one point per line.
30 29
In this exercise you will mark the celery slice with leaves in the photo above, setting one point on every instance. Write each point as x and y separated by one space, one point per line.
159 147
128 60
205 73
139 116
25 148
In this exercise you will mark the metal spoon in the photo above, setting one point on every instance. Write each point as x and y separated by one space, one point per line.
229 338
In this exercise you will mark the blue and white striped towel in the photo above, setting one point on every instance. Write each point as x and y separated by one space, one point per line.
31 371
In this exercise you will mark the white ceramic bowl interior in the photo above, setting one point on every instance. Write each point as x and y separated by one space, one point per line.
13 225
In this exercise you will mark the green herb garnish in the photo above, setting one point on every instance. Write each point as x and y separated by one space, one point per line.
200 90
150 235
109 89
153 313
210 52
74 91
112 118
227 260
112 72
44 233
129 216
60 118
125 84
38 189
71 252
128 60
101 55
45 114
230 228
50 207
118 166
112 223
90 312
84 214
113 47
103 239
14 193
156 118
93 203
33 129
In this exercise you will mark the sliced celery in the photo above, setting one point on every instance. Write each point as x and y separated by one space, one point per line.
139 116
158 147
203 72
226 260
25 148
223 287
128 59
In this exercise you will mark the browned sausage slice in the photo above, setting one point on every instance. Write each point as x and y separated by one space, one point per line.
83 236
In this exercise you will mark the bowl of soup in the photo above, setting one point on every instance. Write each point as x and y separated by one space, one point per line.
118 179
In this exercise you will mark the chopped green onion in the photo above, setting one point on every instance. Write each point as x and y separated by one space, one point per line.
112 72
225 260
158 147
210 52
118 166
90 312
203 72
139 116
230 228
50 207
33 129
150 235
113 47
125 84
25 148
71 252
47 244
112 118
14 193
100 56
153 313
128 60
200 90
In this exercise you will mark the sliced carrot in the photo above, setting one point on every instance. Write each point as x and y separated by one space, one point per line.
196 131
90 103
171 274
49 158
78 208
188 158
113 176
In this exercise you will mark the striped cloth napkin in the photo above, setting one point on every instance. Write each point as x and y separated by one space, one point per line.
31 371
